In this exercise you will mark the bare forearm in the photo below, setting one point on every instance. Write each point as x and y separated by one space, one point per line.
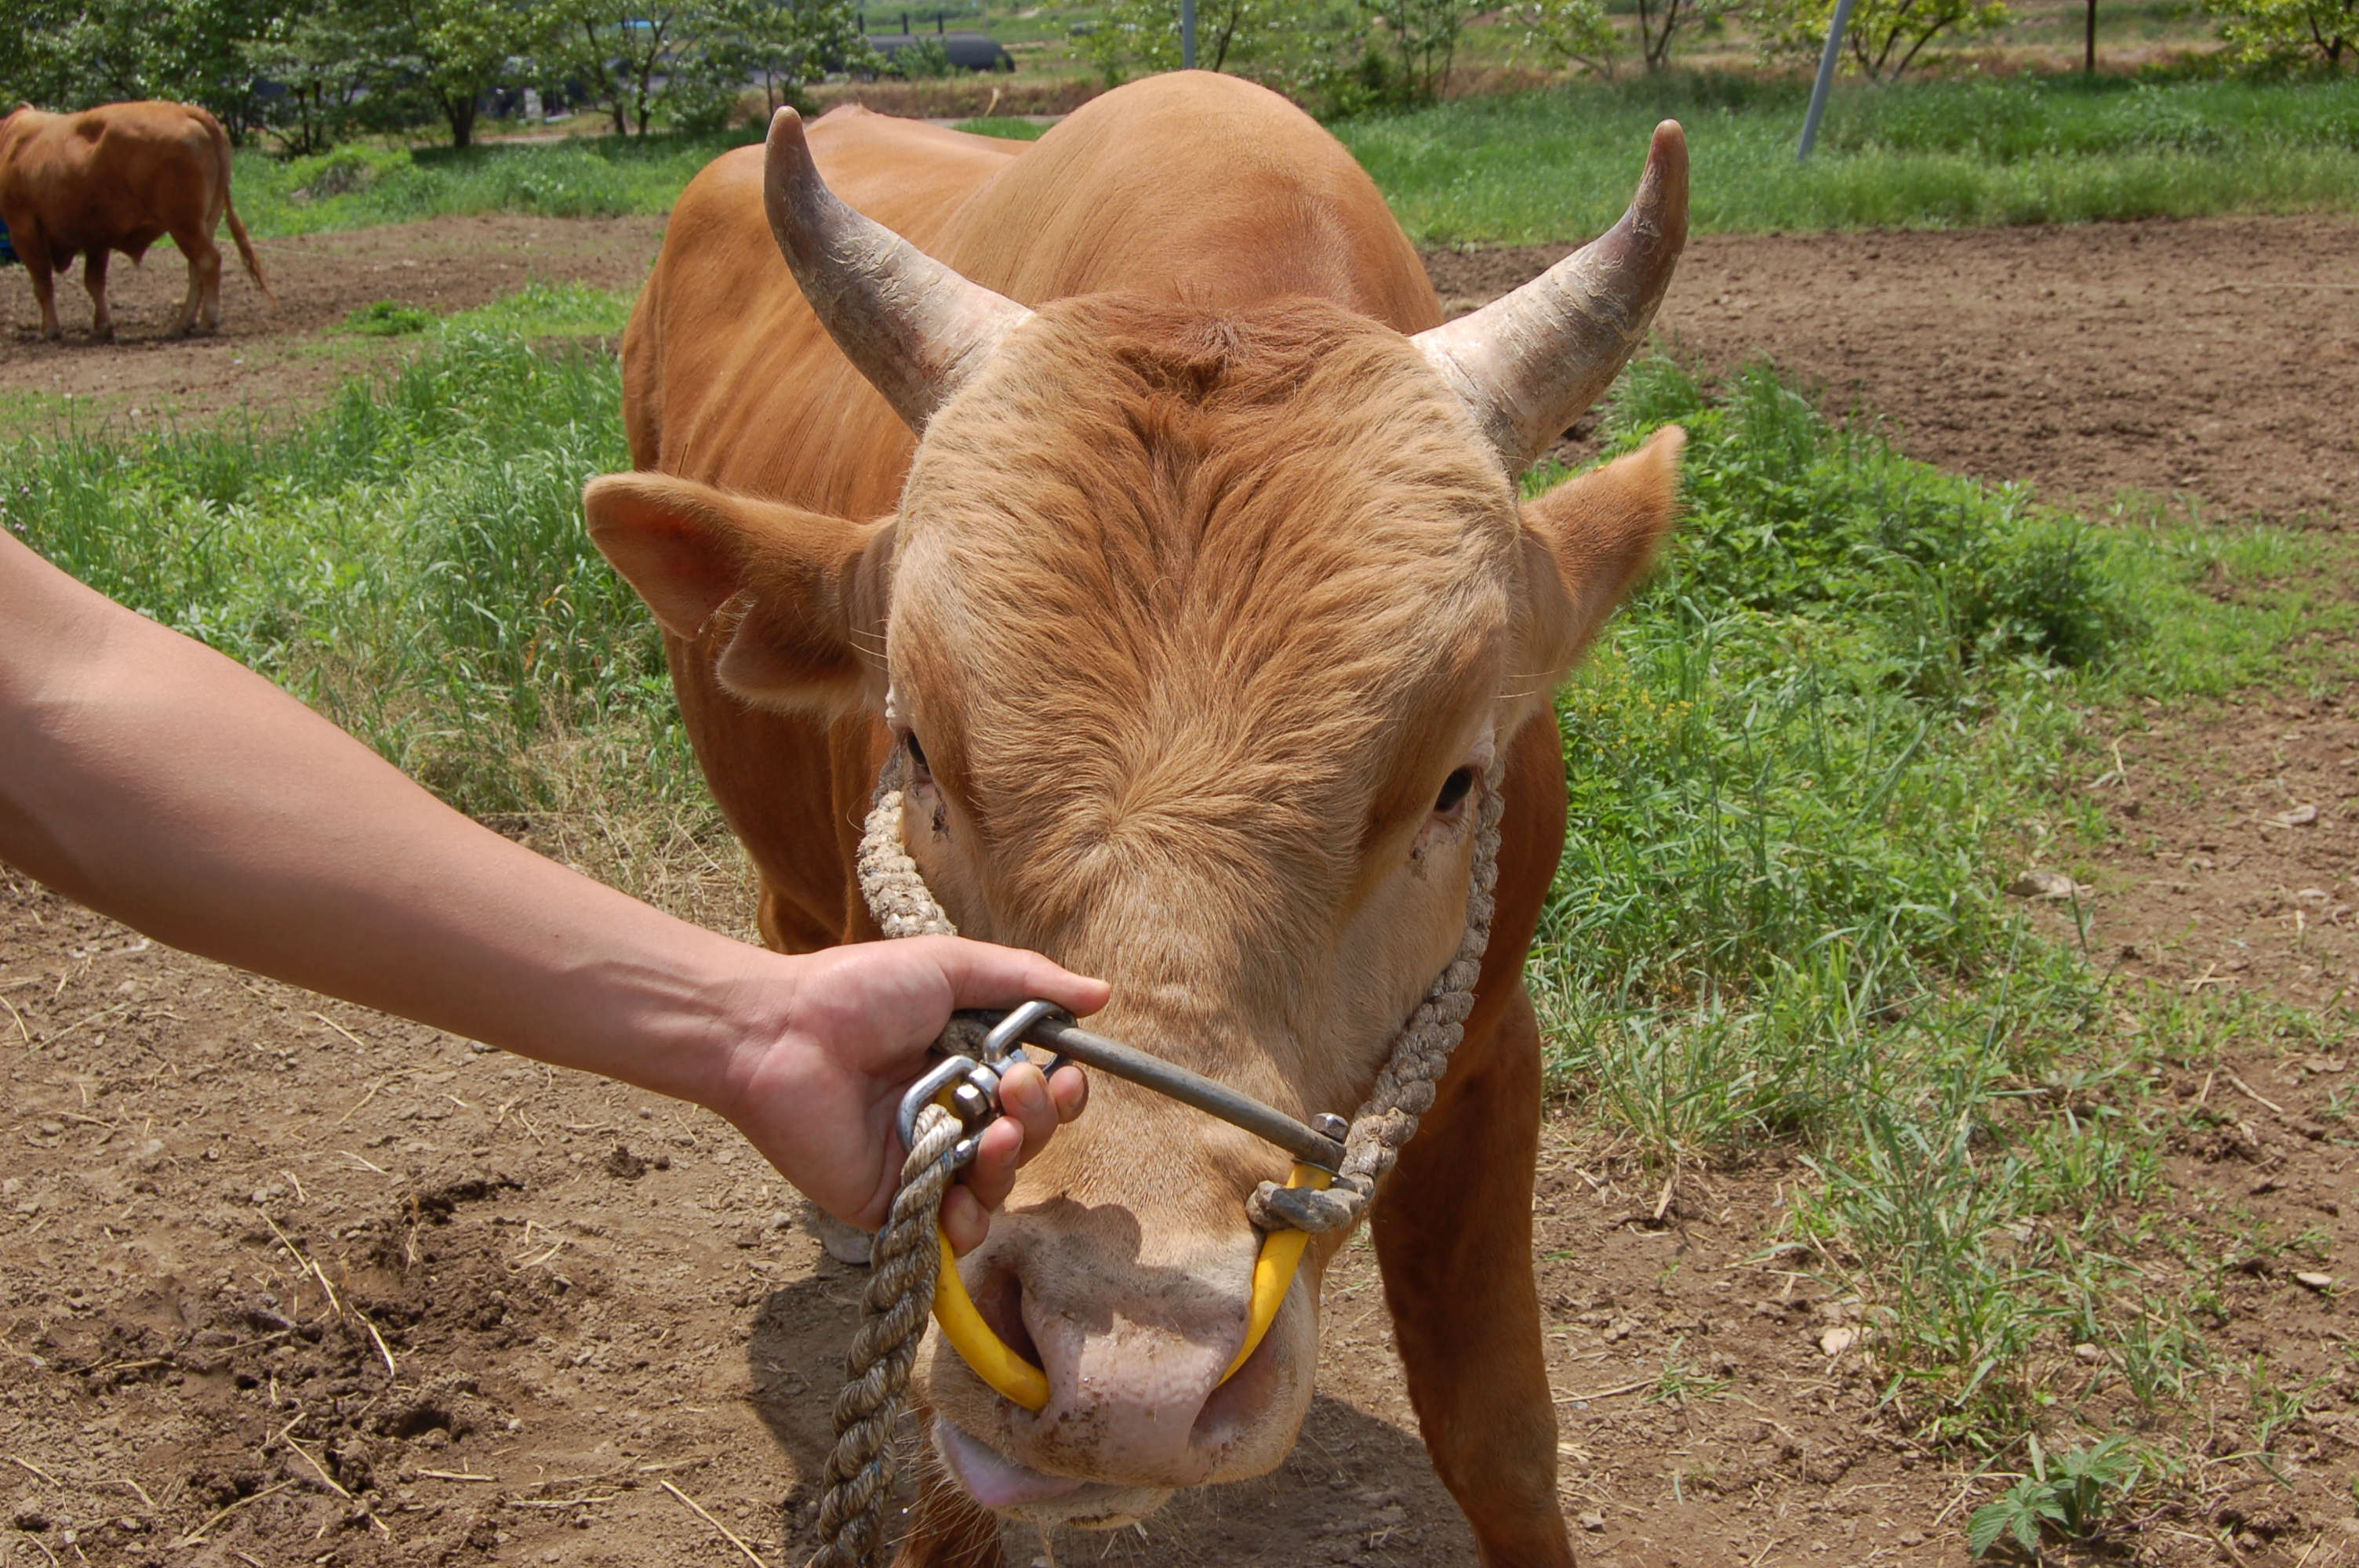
168 786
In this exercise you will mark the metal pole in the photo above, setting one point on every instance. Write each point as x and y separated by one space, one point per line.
1826 79
1186 35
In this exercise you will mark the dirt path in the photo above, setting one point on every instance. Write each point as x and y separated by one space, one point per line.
281 354
2214 358
258 1247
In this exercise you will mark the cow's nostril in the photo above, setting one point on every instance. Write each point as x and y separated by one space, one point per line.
1001 1302
1230 1410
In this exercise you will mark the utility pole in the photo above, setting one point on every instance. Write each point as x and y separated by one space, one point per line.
1826 79
1186 35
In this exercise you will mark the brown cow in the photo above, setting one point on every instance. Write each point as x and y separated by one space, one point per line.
1143 502
119 177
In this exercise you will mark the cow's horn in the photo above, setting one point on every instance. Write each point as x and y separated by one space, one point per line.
913 327
1531 364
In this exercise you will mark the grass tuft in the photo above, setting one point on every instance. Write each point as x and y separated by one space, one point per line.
411 562
1802 768
1559 164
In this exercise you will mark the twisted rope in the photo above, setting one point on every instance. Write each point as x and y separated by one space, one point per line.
901 1293
893 1310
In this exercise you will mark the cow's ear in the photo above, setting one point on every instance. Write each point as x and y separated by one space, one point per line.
1590 540
792 603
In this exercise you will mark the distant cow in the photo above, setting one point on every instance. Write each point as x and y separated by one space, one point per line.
118 177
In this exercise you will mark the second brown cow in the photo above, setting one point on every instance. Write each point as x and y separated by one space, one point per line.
119 177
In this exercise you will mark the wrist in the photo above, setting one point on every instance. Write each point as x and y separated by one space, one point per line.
751 1038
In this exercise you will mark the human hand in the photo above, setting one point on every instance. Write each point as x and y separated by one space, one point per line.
828 1043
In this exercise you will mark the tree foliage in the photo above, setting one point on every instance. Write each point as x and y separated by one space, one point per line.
2274 34
310 75
1885 38
1564 32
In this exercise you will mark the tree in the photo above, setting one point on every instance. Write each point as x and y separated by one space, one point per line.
321 61
1144 34
1422 37
1659 22
622 53
1885 36
1564 32
452 52
786 44
2276 33
70 54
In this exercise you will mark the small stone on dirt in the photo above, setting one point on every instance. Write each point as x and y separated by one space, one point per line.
1593 1523
2314 1281
2037 883
1835 1341
2088 1353
2299 817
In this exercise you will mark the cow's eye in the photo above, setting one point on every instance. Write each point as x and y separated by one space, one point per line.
916 755
1454 790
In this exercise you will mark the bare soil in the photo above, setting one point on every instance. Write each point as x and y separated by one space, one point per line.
2211 358
284 1281
281 354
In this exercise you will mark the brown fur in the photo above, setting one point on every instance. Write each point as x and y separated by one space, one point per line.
1197 594
119 177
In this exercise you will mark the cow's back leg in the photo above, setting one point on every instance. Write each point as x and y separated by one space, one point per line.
204 282
93 277
1453 1234
948 1529
33 250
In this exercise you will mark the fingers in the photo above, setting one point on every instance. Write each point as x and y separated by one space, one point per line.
981 975
964 1220
1070 1089
1024 1094
1036 1108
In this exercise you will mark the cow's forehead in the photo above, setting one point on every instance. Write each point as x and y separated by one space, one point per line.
1285 500
1161 564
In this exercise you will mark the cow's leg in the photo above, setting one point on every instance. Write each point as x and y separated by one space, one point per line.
948 1529
33 250
1453 1234
204 283
93 277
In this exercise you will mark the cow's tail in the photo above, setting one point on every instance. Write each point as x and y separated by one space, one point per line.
236 230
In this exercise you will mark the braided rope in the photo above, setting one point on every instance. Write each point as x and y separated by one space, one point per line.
893 1309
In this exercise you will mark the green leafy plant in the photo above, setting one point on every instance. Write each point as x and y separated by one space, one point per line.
2070 1495
388 318
2272 34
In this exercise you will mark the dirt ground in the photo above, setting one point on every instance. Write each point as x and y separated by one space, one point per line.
2211 358
282 1280
278 355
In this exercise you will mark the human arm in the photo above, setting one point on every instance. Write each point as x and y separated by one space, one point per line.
158 782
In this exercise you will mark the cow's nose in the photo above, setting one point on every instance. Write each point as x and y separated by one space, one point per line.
1136 1368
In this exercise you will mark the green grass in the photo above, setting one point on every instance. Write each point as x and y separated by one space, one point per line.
550 310
1014 129
1560 164
411 561
579 177
1802 769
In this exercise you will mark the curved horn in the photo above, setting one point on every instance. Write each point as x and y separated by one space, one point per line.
1531 364
913 327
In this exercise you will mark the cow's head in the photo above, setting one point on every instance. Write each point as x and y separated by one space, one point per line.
1202 628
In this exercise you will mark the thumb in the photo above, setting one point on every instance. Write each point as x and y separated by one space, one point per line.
981 975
